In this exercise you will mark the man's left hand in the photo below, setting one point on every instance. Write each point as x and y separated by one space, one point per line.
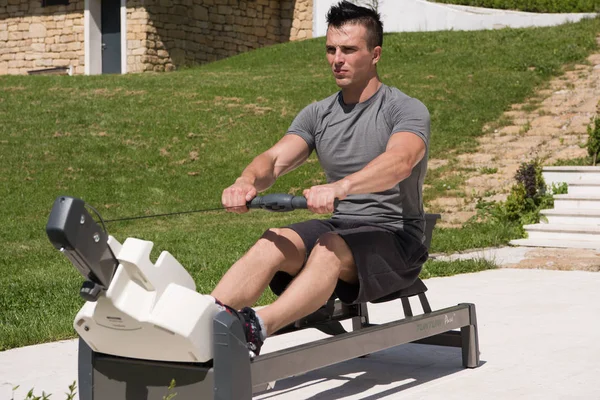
320 199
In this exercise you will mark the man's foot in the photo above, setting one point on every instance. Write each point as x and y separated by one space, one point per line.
253 331
251 326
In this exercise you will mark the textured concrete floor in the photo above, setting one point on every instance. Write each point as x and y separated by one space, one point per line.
538 335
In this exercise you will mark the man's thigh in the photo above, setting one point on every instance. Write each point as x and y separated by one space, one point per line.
309 233
290 246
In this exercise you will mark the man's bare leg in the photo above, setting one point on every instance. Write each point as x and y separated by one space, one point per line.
246 280
330 260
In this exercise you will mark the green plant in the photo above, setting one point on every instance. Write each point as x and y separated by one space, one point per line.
593 143
488 170
170 395
30 396
525 128
72 392
581 161
531 106
526 199
528 196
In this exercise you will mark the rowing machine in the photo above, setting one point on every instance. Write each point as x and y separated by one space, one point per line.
144 325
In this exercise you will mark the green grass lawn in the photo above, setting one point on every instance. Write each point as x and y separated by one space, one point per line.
156 143
537 6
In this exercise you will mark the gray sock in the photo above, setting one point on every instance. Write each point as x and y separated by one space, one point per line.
218 303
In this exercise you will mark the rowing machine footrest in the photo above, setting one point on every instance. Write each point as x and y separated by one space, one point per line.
233 378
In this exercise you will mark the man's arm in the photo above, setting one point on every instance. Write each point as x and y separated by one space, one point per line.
404 150
288 153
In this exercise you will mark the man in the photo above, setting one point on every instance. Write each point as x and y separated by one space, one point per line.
372 142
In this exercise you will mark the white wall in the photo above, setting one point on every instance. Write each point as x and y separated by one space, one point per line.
421 15
93 37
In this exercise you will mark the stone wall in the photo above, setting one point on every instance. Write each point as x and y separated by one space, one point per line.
139 34
299 17
161 34
32 37
187 32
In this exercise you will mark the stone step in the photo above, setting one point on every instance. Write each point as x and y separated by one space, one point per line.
569 244
584 189
567 232
570 201
556 175
571 216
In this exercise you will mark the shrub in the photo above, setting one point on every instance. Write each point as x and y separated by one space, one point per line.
593 143
525 201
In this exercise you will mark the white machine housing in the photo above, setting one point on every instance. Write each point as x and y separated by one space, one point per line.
149 311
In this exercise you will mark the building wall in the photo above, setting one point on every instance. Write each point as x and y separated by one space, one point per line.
300 20
187 32
139 31
32 37
161 34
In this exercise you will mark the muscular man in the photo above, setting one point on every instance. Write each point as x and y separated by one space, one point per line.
372 141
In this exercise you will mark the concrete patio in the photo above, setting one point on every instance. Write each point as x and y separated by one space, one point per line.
538 335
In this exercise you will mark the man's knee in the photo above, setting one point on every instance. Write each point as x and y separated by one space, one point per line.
331 251
285 245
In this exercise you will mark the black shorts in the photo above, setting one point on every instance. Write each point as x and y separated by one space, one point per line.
386 260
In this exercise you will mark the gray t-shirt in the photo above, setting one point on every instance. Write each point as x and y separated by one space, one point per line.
347 137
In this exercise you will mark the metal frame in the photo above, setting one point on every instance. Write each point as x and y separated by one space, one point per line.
102 376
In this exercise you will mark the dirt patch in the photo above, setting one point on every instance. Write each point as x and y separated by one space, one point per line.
104 92
560 259
234 99
257 110
436 163
13 88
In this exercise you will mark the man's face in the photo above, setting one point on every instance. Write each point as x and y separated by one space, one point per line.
352 63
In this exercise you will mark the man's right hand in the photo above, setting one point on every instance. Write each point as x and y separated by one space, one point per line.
236 196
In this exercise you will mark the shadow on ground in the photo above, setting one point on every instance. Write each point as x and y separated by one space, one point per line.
377 376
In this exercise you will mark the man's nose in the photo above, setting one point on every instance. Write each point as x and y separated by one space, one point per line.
339 57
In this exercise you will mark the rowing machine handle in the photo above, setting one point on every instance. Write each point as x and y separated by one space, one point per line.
278 202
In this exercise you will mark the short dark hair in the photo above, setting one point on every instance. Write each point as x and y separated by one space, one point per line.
347 13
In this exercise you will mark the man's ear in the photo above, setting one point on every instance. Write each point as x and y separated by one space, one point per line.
376 54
